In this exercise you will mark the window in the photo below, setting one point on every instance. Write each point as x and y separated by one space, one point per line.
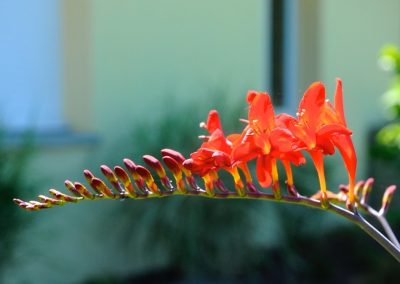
283 54
30 65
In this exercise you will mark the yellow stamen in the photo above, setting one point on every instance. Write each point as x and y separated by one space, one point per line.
275 179
318 160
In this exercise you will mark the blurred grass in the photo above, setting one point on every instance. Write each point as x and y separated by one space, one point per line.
13 159
198 239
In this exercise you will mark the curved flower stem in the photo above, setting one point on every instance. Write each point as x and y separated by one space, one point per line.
390 244
382 220
355 218
388 230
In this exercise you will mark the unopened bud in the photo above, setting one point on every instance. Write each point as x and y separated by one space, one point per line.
387 199
102 187
70 186
178 157
154 164
359 188
41 205
110 176
126 181
83 190
148 178
366 190
49 200
64 197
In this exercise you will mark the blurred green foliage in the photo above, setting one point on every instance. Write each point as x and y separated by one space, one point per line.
390 61
13 159
387 139
200 238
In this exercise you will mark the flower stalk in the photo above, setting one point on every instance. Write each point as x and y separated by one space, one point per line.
319 129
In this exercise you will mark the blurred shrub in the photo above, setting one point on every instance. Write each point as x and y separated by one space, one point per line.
212 239
390 61
13 159
387 139
198 236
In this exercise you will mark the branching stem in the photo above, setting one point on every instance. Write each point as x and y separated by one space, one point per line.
391 245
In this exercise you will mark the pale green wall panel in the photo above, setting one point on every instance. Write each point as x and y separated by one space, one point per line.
351 33
145 50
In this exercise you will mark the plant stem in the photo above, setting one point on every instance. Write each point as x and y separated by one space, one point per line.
382 220
355 218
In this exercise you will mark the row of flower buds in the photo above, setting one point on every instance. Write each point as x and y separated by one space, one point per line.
362 192
137 181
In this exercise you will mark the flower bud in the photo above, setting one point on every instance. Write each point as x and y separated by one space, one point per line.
110 176
126 181
102 187
64 197
387 199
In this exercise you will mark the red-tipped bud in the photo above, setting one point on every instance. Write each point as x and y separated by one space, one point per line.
126 181
144 173
50 201
39 205
83 190
24 205
176 170
187 167
154 164
111 177
387 199
148 178
131 167
64 197
178 157
70 186
88 175
102 187
366 190
18 201
108 173
173 166
358 188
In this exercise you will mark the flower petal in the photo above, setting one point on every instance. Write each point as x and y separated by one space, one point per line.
263 171
261 111
311 105
339 101
213 121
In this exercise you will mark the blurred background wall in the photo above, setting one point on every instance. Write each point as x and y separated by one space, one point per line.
104 68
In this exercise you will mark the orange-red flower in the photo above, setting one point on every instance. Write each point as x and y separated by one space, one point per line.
321 127
267 139
215 154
